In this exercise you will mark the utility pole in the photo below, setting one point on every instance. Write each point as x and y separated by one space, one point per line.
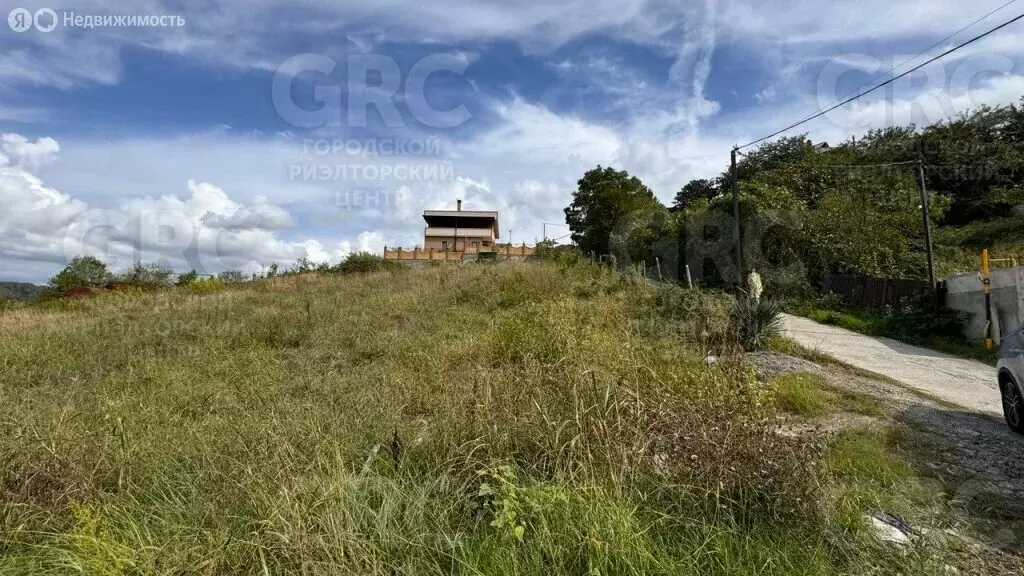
986 283
736 219
926 216
458 208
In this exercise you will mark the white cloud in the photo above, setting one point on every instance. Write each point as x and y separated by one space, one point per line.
27 154
525 164
928 105
812 21
207 230
260 34
766 95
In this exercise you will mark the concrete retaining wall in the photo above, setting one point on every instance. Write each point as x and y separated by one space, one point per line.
964 292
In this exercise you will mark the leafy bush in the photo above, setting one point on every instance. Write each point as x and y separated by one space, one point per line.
789 282
187 278
146 276
695 315
232 277
205 285
305 266
917 319
755 322
82 271
7 303
362 262
565 255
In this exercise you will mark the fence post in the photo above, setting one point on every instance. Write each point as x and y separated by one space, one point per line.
926 216
986 282
657 262
689 280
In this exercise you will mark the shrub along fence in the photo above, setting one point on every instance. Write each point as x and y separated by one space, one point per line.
871 292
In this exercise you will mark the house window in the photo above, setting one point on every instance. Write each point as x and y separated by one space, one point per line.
487 243
444 245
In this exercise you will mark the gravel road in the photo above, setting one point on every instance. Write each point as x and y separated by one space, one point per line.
966 383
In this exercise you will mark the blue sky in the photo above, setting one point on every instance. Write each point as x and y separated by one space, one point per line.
171 139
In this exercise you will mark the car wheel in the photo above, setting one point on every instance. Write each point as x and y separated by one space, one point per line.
1013 405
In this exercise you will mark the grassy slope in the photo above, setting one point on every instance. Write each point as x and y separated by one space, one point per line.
491 419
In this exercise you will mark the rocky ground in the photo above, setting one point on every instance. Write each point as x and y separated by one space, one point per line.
972 458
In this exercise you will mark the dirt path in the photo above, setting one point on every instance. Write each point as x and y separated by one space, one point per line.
967 456
966 383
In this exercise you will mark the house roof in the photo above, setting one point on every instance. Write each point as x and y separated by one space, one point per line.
465 214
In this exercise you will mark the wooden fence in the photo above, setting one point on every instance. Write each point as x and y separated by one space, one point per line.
455 255
417 254
511 250
871 292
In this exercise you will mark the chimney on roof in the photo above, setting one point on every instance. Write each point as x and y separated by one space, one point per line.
458 205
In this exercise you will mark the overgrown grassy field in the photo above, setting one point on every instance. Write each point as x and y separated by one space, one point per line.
477 419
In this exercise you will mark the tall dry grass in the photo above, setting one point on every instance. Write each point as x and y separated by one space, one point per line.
488 419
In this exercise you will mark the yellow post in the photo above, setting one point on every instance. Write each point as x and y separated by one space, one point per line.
986 283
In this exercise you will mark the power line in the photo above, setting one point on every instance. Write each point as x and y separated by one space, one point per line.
806 165
925 51
846 166
886 165
886 83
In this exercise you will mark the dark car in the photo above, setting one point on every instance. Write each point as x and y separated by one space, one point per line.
1011 379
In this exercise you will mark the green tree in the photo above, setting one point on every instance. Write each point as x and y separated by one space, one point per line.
603 198
972 157
82 271
187 278
700 189
302 266
771 155
232 277
149 276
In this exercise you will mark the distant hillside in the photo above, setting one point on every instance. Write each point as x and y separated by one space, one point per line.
19 290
